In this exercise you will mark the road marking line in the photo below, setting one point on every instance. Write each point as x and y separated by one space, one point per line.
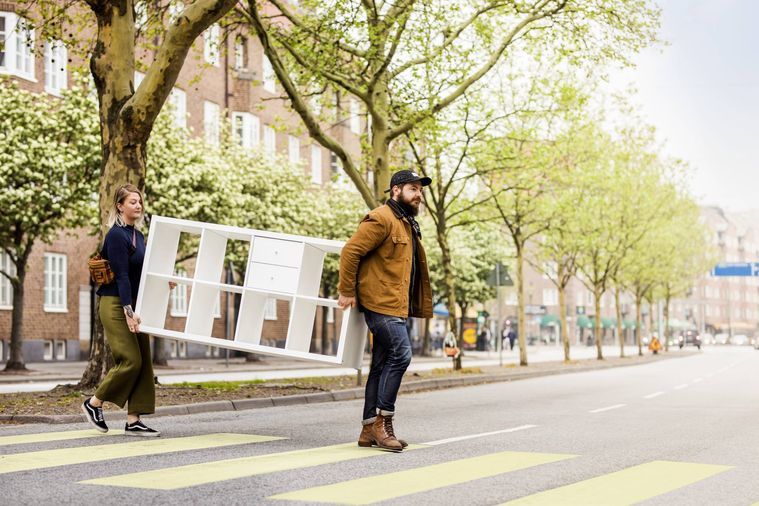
172 478
628 486
85 454
680 387
698 380
655 394
402 483
608 408
47 437
473 436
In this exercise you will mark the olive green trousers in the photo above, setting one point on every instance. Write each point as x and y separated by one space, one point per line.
131 379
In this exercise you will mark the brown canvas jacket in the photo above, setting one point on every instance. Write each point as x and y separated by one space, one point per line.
375 267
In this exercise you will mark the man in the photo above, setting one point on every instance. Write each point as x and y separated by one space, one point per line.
383 271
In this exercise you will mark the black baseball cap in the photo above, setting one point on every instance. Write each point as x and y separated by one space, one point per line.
407 176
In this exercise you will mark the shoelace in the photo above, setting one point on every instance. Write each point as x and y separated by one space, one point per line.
98 415
388 424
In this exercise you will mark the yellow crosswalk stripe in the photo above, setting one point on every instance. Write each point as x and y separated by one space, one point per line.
389 486
47 437
628 486
67 456
210 472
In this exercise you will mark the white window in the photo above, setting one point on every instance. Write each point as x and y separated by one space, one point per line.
269 77
211 115
211 50
47 353
179 296
550 297
216 313
293 149
511 298
60 350
241 53
355 117
178 99
16 45
55 282
270 140
330 315
56 60
6 289
245 127
316 164
270 312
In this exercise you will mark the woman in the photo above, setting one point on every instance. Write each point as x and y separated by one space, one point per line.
130 382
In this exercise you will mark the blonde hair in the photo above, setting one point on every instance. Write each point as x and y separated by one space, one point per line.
119 196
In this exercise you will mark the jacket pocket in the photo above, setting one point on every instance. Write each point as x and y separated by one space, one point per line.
400 240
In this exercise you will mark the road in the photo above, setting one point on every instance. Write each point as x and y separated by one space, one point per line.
672 432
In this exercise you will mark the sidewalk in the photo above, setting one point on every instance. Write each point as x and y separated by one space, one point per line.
46 375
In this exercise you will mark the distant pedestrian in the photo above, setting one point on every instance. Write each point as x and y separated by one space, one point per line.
383 271
654 346
512 336
130 382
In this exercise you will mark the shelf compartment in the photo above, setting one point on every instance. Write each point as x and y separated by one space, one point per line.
154 293
200 314
163 243
210 261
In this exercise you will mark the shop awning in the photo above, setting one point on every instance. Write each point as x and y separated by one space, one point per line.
584 322
549 320
440 310
606 323
629 324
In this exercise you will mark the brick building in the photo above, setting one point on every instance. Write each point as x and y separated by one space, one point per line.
226 78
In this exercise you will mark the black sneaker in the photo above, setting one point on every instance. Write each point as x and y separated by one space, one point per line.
94 416
140 429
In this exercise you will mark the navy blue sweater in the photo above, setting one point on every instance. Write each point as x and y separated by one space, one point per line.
126 263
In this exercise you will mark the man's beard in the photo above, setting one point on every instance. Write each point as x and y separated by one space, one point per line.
408 206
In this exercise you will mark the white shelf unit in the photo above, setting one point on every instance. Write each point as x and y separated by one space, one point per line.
282 266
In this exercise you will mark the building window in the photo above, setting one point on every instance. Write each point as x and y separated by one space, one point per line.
293 149
330 315
211 49
179 296
270 312
245 127
355 120
269 77
56 60
178 99
550 297
47 352
6 288
60 350
241 53
55 282
16 45
270 140
211 115
316 164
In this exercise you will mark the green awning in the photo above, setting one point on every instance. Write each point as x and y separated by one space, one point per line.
629 324
584 322
606 323
549 320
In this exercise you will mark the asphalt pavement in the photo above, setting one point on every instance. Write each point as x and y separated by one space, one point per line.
668 432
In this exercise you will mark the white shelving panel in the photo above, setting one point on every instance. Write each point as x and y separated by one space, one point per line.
281 266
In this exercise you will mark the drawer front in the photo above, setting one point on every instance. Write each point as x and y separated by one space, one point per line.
273 277
277 252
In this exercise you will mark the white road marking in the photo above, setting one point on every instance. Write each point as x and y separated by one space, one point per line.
473 436
655 394
608 408
680 387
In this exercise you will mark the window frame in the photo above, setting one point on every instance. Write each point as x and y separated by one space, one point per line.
50 305
211 45
316 164
211 122
178 304
55 50
270 309
250 136
268 77
293 149
6 286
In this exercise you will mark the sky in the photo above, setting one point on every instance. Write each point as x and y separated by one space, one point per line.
701 92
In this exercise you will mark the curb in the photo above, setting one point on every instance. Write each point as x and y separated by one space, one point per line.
331 396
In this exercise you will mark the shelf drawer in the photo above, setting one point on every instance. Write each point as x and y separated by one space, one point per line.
273 277
277 252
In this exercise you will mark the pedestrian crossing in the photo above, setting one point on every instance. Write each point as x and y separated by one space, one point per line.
620 486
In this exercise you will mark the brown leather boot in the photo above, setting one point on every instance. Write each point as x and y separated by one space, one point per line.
382 433
365 439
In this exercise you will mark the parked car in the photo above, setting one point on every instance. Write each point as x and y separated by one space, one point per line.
689 337
739 340
721 338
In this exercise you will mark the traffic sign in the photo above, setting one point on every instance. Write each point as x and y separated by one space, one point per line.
736 269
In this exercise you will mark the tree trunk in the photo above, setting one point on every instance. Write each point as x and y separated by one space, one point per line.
97 363
620 329
597 324
426 339
667 330
520 311
16 358
563 321
160 357
638 325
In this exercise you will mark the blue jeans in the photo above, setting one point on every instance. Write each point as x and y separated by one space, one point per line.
391 355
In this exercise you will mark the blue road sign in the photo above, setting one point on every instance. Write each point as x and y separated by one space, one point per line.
736 269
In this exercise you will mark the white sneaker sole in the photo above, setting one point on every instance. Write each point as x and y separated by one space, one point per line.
142 434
